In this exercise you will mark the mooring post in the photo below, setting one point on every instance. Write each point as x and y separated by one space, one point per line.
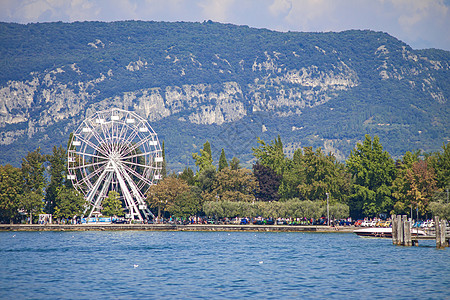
407 233
401 233
443 230
394 229
399 230
437 227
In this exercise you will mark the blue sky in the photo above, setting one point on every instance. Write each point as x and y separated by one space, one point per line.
419 23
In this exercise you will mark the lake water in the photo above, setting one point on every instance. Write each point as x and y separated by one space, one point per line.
217 265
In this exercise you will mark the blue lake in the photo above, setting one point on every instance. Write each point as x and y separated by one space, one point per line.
217 265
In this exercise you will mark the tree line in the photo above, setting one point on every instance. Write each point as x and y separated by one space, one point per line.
370 183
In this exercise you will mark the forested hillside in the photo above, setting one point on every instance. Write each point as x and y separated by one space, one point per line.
223 83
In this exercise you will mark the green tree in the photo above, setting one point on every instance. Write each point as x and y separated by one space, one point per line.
373 172
421 183
112 206
271 155
163 194
11 187
310 175
233 185
222 161
188 176
58 174
234 163
322 175
33 169
188 203
69 203
203 160
32 203
441 165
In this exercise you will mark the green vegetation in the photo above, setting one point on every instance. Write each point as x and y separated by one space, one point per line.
369 184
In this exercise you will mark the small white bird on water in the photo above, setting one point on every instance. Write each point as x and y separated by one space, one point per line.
135 266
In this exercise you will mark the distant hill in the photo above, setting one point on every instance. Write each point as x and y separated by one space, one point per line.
221 82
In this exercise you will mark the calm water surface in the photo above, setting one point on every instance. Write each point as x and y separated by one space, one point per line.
217 265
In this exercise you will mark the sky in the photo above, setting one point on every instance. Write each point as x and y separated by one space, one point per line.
419 23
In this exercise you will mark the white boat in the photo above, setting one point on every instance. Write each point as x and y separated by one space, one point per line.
383 232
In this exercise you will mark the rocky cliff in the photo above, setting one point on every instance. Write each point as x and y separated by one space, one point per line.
220 82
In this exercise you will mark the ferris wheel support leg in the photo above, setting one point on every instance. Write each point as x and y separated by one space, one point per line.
134 211
138 196
91 194
102 194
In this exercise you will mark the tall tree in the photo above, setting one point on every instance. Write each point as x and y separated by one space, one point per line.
69 203
11 187
400 185
188 203
58 174
234 163
271 155
233 185
222 161
268 181
188 176
373 172
323 174
441 165
163 194
112 206
203 160
421 182
33 168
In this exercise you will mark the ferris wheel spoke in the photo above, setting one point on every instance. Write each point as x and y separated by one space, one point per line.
93 146
137 145
139 154
137 165
129 140
89 154
99 139
132 171
88 165
89 176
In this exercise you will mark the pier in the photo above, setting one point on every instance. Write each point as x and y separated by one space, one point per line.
404 235
173 227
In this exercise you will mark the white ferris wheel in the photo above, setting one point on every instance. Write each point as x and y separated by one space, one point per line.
115 150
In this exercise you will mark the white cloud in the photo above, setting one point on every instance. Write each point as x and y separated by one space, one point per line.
217 10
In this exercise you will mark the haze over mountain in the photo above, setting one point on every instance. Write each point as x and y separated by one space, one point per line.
221 82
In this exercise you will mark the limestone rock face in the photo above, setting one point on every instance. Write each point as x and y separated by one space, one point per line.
215 75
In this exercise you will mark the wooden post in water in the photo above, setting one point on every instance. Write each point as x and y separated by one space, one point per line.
400 235
437 227
394 229
443 230
407 233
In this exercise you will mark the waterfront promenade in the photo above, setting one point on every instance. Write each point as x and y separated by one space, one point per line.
172 227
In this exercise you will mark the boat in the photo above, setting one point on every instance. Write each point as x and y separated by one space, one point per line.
381 232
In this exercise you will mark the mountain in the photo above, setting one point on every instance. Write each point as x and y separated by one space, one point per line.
220 82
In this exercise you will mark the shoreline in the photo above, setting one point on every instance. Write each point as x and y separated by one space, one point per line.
170 227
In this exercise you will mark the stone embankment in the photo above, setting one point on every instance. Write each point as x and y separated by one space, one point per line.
170 227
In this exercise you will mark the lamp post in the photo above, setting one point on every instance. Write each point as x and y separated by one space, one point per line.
328 210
